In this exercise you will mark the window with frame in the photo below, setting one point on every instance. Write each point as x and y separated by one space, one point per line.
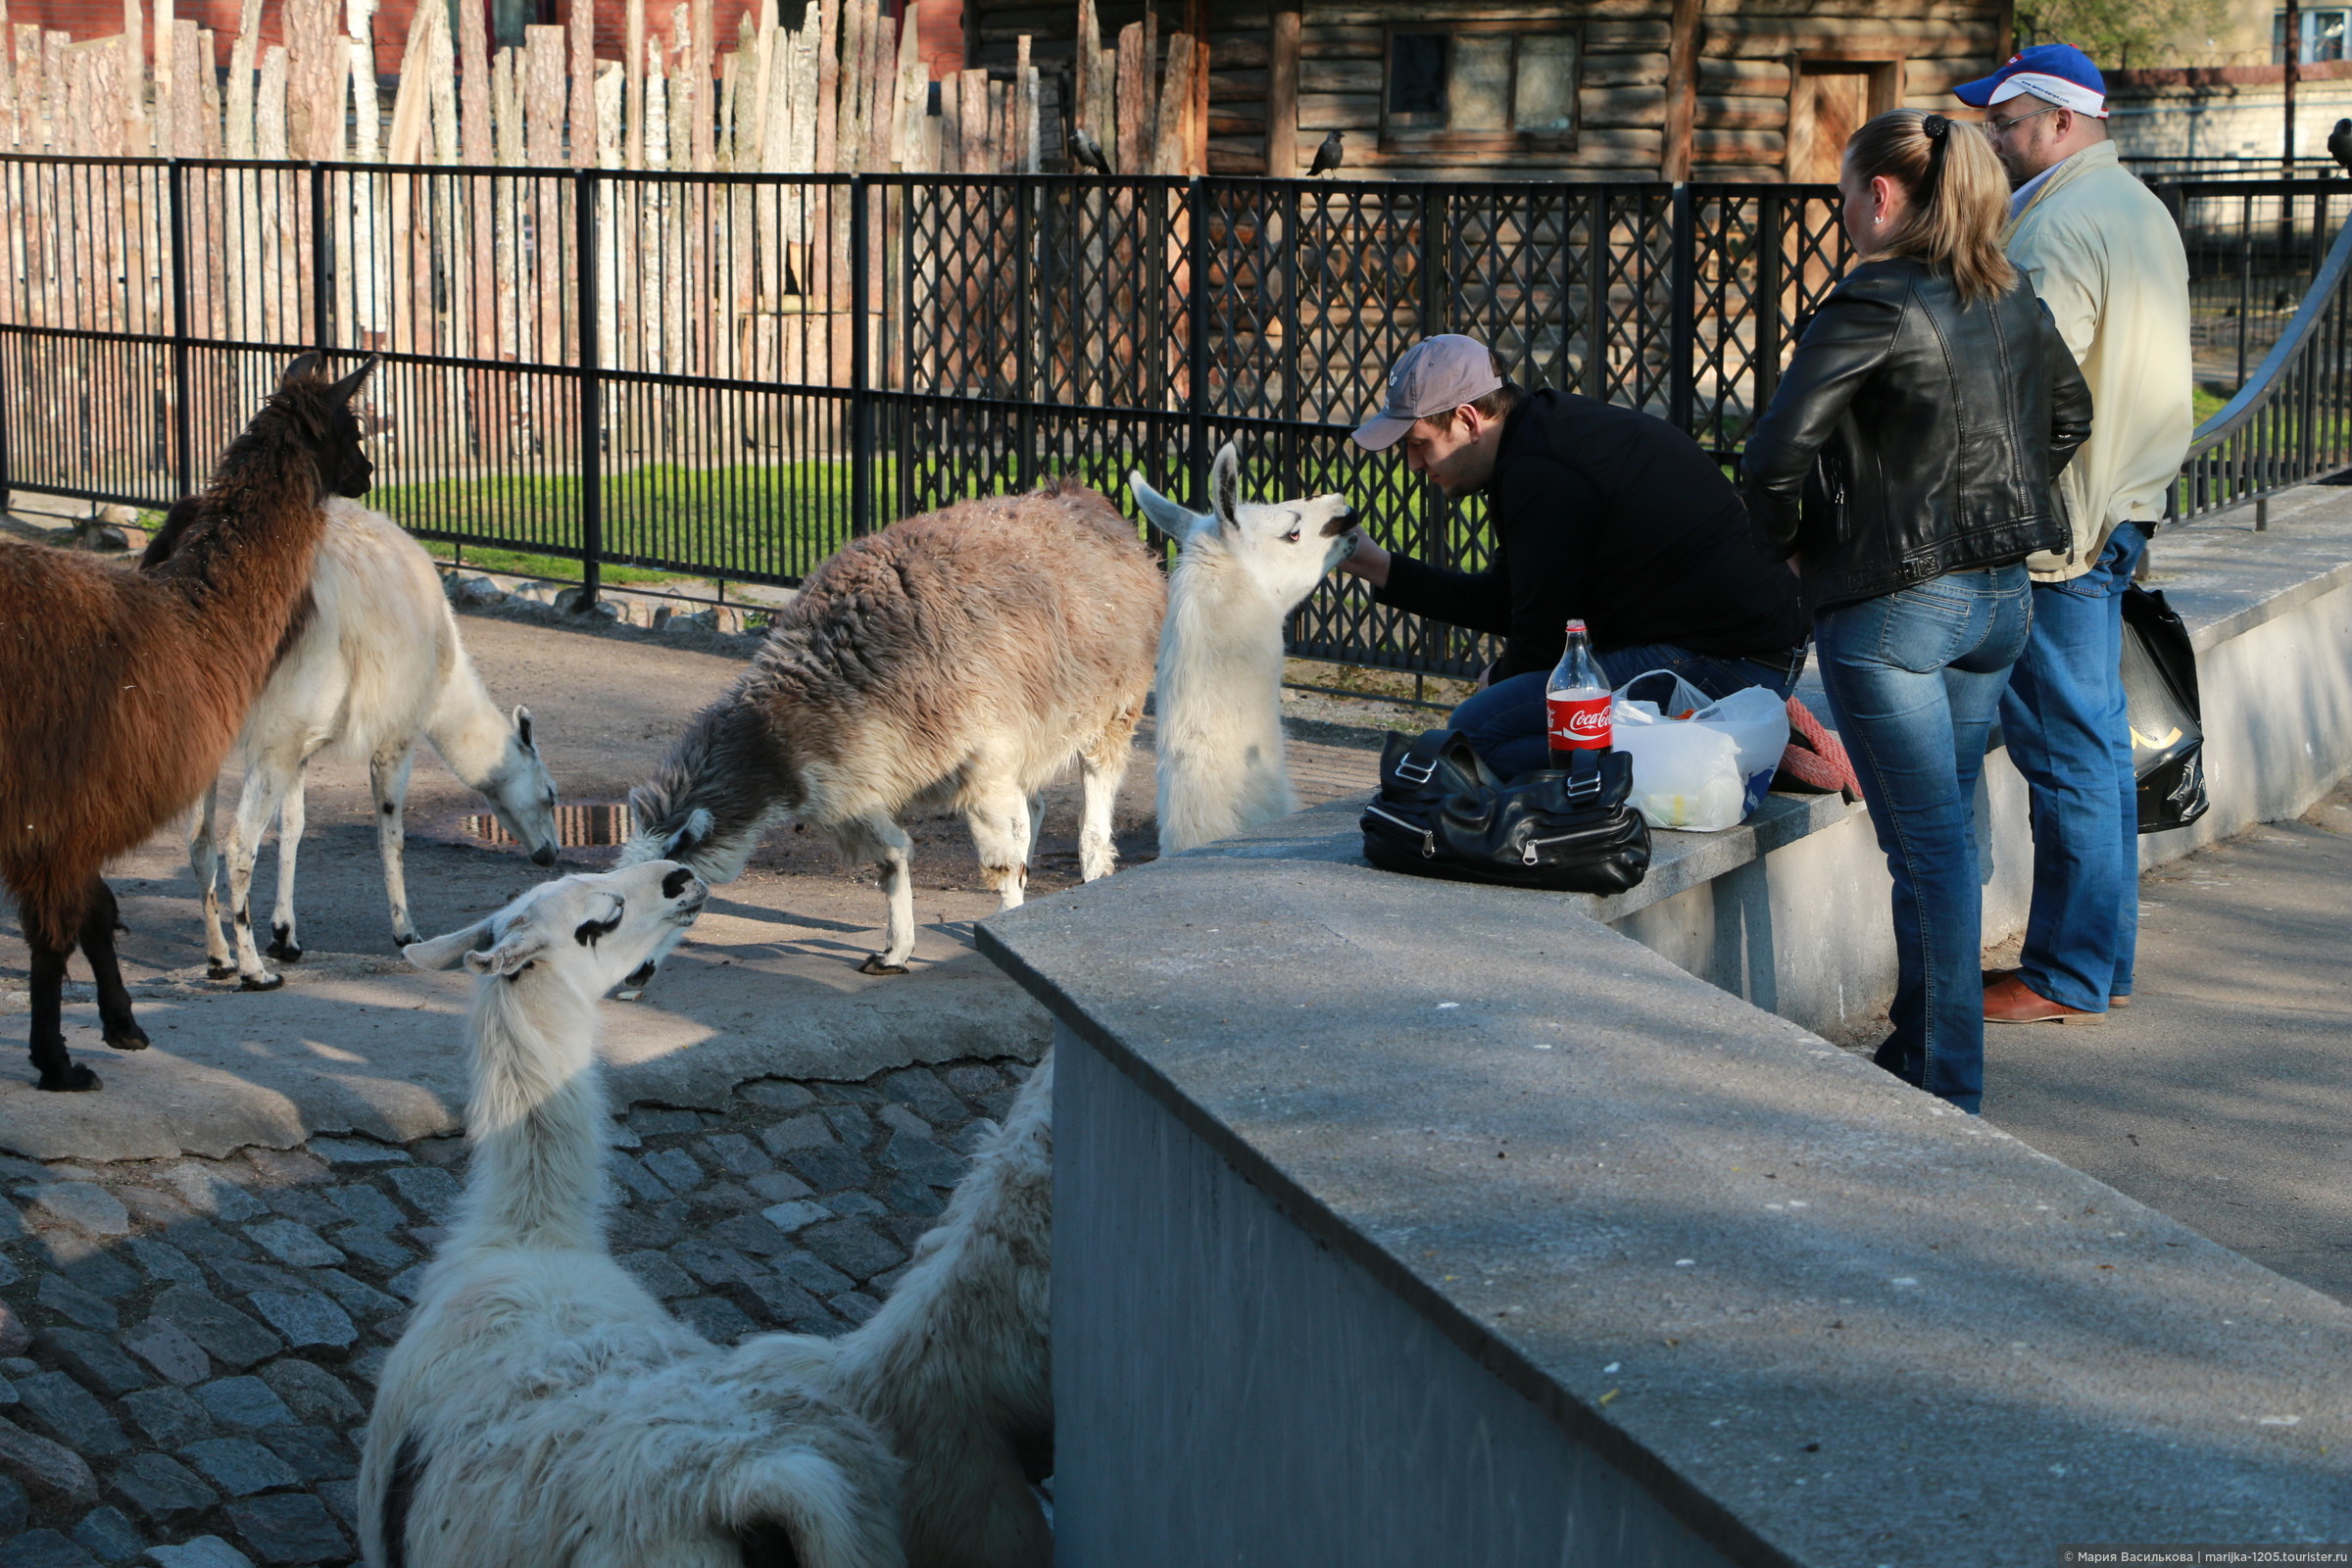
1479 87
2322 37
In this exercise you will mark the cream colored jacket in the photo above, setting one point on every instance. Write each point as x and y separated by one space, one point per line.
2106 258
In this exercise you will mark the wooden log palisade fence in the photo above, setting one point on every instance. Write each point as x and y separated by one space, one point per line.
537 238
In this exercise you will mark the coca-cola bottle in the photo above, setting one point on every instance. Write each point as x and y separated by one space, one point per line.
1576 701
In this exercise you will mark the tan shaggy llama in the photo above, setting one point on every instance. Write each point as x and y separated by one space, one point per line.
125 689
957 658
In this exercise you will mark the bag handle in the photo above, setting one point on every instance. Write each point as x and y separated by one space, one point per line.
1685 695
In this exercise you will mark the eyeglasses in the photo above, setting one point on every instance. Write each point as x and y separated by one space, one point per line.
2002 127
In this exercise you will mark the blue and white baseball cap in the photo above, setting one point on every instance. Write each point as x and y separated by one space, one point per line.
2055 72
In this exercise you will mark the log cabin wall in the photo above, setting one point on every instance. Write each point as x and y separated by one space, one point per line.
1578 89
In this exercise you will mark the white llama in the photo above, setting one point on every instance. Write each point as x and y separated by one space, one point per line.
541 1407
1242 570
954 1371
378 664
963 658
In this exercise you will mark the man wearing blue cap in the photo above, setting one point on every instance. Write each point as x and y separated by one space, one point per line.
2106 258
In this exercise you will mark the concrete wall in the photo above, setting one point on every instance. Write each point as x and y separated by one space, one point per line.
1414 1222
1292 1409
2237 112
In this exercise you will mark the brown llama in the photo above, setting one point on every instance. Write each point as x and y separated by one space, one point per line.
126 689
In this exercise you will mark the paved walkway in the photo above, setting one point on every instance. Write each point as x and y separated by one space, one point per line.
2222 1095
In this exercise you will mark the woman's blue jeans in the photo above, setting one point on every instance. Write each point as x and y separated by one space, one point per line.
1914 679
1504 723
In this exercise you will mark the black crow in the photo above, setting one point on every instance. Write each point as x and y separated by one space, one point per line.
1087 152
1327 155
2339 143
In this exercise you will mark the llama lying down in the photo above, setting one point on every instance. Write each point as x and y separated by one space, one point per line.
378 664
1242 569
962 658
954 1371
542 1409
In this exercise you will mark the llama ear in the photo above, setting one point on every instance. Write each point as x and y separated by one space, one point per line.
691 837
1225 487
345 390
522 728
306 369
439 953
511 957
1177 522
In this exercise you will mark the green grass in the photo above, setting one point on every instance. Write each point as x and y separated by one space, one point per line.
2204 405
747 518
516 564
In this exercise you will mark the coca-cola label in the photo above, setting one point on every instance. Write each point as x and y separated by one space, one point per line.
1579 724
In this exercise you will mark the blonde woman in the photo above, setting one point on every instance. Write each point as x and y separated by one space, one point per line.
1905 466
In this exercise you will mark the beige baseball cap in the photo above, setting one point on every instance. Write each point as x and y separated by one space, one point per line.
1435 374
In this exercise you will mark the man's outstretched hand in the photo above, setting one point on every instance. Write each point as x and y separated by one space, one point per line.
1370 563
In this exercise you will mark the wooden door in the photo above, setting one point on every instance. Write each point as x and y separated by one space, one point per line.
1829 100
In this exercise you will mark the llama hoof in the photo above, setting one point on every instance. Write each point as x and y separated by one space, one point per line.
873 964
73 1079
259 982
214 969
404 941
283 950
130 1037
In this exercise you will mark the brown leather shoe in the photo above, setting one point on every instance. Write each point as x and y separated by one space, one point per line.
2009 1000
1993 977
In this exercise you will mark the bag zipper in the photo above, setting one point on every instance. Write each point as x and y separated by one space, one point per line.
1528 855
1429 840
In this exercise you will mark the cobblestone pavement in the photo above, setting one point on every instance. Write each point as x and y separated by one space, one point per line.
187 1346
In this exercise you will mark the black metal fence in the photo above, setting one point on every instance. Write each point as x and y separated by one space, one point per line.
728 376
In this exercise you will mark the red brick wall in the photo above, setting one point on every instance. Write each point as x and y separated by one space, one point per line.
942 40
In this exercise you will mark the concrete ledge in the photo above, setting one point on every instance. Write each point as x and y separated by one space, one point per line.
1790 910
1410 1222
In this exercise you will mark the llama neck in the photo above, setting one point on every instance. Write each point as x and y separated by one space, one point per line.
467 728
535 1118
1221 654
243 562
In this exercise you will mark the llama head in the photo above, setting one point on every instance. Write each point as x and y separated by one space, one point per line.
522 794
1282 547
593 929
319 408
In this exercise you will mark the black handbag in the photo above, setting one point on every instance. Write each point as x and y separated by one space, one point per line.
2160 692
1442 812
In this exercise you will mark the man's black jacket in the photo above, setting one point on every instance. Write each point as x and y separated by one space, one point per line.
1913 435
1603 514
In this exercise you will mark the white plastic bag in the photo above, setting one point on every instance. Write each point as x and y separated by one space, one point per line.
1705 772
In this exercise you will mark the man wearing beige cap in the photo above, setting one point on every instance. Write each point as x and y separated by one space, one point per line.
1598 514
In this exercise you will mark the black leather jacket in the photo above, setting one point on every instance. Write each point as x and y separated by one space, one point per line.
1913 437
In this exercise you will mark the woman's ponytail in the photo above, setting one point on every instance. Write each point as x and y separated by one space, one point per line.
1959 198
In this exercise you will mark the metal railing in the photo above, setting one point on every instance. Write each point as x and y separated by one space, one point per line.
2153 167
2291 422
728 376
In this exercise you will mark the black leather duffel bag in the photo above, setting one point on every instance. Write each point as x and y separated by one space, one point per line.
1441 812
